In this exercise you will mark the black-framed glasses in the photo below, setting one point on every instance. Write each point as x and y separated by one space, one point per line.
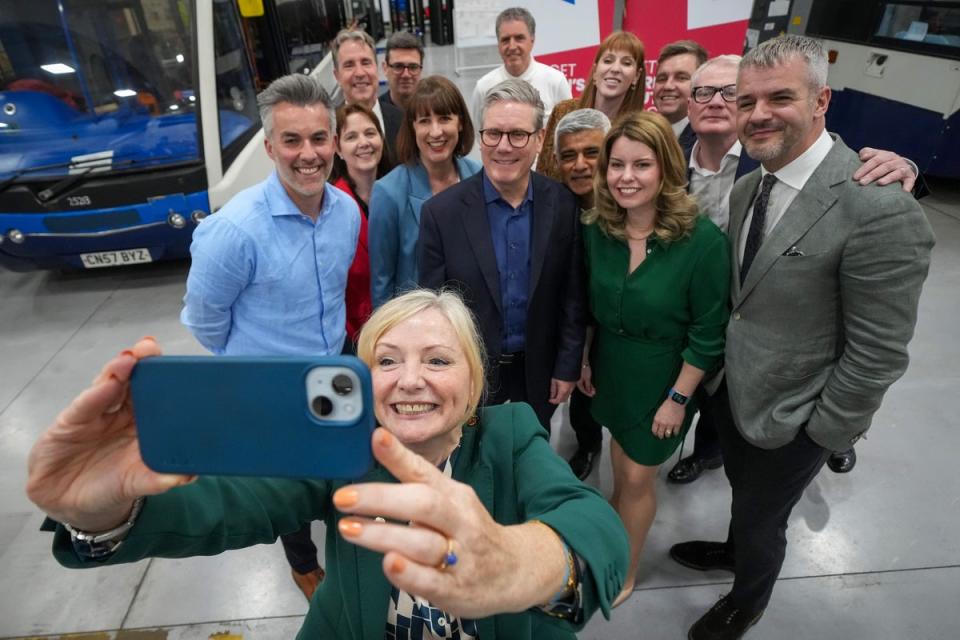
705 93
410 67
518 138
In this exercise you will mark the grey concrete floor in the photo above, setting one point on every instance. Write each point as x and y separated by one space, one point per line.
873 555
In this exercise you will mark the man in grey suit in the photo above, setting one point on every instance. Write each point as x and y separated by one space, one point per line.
826 279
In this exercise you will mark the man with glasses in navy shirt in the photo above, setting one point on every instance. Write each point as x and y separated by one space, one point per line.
509 240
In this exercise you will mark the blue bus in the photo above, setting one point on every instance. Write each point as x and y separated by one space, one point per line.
124 123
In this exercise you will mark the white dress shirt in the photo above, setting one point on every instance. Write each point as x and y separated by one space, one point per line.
790 180
712 188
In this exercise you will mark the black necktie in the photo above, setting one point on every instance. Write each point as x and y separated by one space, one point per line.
759 221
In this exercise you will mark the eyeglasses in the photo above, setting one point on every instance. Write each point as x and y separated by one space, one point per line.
410 67
705 94
517 138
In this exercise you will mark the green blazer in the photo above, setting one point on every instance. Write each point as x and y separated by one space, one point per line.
507 460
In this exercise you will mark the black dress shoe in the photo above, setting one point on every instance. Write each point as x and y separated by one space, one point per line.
690 468
843 461
703 556
582 462
724 621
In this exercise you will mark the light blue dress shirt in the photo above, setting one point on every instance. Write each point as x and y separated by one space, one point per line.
266 279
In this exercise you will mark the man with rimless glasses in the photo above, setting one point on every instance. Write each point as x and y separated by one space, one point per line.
509 240
403 65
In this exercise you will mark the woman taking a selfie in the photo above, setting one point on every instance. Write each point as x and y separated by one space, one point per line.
434 139
507 542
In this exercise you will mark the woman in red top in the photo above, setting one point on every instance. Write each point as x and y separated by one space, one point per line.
359 162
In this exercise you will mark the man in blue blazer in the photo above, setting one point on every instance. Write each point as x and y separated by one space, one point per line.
509 240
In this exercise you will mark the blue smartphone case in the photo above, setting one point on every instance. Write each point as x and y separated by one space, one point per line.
246 416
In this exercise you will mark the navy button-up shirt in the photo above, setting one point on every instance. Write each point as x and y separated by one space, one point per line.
510 229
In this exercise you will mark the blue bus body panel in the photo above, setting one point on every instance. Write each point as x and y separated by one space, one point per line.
43 131
924 136
138 226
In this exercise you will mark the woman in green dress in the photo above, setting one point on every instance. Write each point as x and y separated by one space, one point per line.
658 285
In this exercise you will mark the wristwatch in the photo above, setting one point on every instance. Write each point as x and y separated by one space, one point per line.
677 397
104 543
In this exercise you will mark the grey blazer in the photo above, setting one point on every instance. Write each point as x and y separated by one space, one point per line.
820 328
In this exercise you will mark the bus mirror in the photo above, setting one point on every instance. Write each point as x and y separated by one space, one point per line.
250 8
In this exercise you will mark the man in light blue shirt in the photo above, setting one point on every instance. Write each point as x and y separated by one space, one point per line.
269 269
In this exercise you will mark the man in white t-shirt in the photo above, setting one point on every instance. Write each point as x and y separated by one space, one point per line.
516 30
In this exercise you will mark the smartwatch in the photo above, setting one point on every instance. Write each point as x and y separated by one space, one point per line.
677 397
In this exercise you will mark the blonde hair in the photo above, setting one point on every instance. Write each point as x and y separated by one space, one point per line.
453 309
676 209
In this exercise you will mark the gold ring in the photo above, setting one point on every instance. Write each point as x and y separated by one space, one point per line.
449 558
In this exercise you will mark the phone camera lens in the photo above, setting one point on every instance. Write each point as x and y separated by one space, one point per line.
342 384
322 406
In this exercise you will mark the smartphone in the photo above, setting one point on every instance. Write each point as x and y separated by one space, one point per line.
254 416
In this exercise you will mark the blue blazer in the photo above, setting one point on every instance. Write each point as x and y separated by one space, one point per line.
394 226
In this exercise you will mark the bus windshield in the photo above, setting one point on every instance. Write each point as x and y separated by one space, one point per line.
95 85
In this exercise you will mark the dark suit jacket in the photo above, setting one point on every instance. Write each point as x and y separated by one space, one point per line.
820 327
686 139
392 121
456 249
505 458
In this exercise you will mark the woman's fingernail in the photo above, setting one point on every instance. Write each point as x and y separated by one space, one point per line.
114 408
345 498
126 352
397 565
149 338
385 438
350 528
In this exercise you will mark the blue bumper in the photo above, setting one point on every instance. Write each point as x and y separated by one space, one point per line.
56 240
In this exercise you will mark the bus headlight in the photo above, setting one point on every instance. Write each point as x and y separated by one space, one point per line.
198 216
16 236
176 220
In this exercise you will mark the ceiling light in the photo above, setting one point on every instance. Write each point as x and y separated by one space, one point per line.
57 68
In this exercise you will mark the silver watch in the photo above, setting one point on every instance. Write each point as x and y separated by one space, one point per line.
104 543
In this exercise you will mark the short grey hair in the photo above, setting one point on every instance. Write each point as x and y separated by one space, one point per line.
580 120
296 89
517 13
348 35
729 60
514 90
782 49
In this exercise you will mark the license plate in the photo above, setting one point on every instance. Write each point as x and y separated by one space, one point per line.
115 258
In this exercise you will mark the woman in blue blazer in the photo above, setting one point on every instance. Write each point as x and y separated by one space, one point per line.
435 136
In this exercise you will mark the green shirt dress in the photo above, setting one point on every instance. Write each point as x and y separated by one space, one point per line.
671 309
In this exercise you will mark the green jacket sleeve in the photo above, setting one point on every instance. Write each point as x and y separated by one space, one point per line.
548 491
210 516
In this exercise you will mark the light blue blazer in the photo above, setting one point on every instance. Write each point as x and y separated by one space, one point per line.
394 226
